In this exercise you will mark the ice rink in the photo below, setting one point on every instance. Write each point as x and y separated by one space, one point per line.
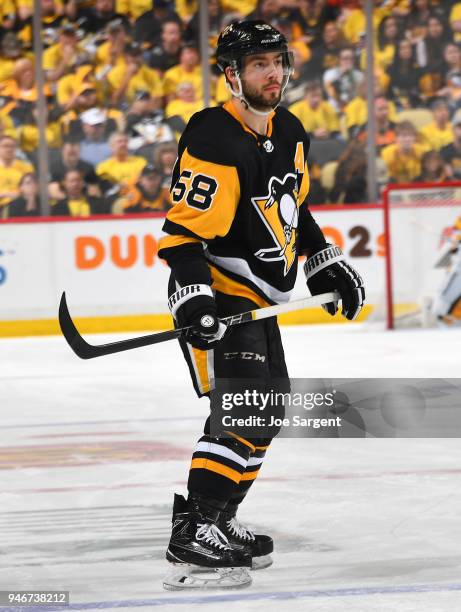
92 452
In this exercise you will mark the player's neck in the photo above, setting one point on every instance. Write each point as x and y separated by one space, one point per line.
255 122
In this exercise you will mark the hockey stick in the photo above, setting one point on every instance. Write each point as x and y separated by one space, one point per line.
84 350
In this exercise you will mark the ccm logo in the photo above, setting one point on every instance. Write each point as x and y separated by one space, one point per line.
123 252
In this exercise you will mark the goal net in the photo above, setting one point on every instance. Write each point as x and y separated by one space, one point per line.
419 222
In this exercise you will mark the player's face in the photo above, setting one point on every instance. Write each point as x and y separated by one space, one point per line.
262 80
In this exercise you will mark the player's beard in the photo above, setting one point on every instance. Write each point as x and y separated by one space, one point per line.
258 101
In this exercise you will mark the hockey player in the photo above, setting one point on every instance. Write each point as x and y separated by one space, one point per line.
447 303
232 240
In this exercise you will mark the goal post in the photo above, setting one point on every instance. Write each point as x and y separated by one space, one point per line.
418 219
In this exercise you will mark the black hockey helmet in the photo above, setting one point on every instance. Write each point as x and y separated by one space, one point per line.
244 38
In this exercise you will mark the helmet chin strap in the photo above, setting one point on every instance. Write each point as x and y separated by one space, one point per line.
240 96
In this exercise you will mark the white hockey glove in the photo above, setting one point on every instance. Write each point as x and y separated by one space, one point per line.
327 270
195 305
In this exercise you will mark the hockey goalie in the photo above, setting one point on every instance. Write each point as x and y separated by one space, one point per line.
446 306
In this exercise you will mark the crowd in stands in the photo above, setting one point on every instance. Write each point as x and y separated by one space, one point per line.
123 77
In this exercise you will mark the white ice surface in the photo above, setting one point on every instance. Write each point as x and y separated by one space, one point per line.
91 453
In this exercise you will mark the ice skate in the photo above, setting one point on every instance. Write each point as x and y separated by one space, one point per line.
242 537
200 554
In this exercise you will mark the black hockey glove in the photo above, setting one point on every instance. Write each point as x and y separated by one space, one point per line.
327 270
195 305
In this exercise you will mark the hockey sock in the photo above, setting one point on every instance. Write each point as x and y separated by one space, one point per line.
217 467
248 477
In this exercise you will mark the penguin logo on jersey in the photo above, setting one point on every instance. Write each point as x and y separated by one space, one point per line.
279 212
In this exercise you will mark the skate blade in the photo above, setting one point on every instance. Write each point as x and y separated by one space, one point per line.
259 563
183 576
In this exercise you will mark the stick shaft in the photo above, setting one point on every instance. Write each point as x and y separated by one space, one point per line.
84 350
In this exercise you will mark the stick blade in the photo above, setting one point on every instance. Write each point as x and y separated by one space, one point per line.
80 347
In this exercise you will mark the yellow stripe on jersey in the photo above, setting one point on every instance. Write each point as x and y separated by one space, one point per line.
242 440
249 475
214 466
205 197
305 183
226 285
200 359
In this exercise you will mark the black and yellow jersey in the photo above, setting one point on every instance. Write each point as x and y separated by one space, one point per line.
239 203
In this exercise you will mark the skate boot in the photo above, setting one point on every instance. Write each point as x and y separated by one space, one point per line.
241 537
200 554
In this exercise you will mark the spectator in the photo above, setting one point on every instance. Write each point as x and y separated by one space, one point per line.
7 127
126 80
166 54
389 34
147 126
326 52
342 82
8 16
385 128
432 168
308 17
352 21
451 153
121 167
27 204
430 56
439 133
350 186
215 24
10 52
317 194
148 27
70 85
29 135
452 85
96 128
114 120
76 202
60 58
85 96
404 76
267 10
21 87
417 21
146 195
429 50
20 92
52 20
164 159
111 52
12 170
403 158
318 117
183 106
133 8
455 21
70 160
188 69
94 19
